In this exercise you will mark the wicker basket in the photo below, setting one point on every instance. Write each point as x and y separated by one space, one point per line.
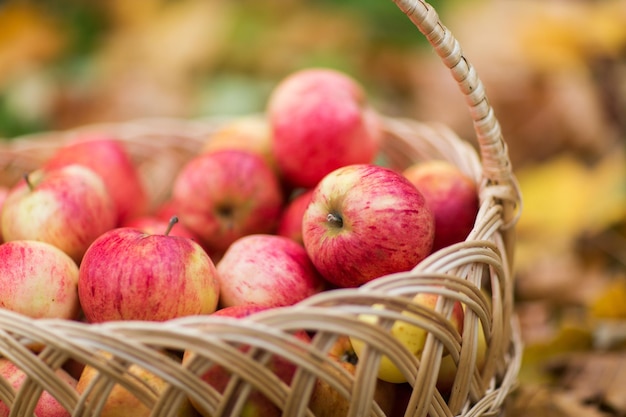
465 272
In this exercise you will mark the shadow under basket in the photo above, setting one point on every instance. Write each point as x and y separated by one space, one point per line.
476 272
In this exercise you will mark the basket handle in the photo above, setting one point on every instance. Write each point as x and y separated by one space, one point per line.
497 168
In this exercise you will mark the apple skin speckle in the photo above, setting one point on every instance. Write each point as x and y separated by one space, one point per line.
386 225
321 120
451 195
268 270
130 275
68 207
38 280
223 195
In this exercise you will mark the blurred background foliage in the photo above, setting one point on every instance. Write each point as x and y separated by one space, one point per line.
555 72
70 62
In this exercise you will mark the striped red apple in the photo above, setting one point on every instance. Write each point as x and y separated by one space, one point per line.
38 280
68 207
127 274
365 221
320 120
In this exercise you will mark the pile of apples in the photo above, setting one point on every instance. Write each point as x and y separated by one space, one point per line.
274 209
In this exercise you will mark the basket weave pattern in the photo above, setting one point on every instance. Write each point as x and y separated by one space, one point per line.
476 272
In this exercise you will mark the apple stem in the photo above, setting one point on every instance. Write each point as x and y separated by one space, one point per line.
173 221
28 183
335 219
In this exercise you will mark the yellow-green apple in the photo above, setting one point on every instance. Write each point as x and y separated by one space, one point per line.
290 222
223 195
38 280
127 274
107 157
218 377
327 402
265 269
248 133
68 207
320 120
411 336
4 191
451 195
47 405
365 221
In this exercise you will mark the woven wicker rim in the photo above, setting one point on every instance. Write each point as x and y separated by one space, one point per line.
455 272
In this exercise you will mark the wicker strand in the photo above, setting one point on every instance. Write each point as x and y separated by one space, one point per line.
494 153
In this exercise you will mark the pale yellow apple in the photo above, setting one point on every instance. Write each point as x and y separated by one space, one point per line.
411 336
248 133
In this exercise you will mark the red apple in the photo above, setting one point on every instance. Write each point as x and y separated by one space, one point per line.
257 405
248 133
320 120
68 207
107 157
328 402
47 405
38 280
365 221
451 195
413 337
127 274
290 222
4 191
165 210
268 270
224 195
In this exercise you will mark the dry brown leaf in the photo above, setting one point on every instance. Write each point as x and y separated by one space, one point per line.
544 401
558 277
567 336
594 378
